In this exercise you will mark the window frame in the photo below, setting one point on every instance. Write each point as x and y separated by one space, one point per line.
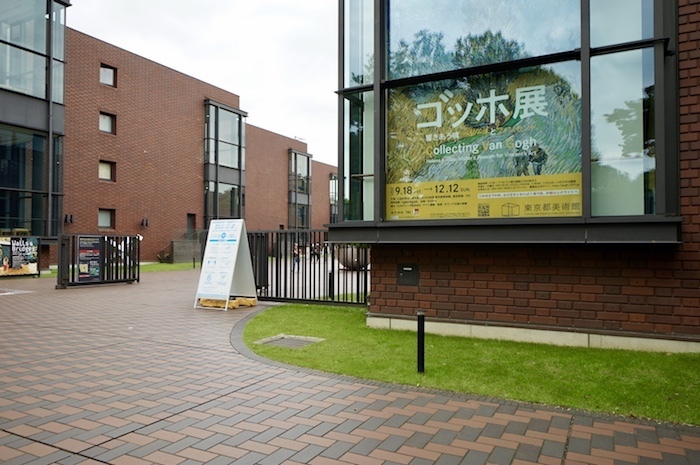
101 213
112 171
112 122
111 82
660 227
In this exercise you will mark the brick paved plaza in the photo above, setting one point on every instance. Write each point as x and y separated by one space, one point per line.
132 374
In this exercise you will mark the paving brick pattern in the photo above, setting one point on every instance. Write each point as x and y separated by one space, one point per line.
132 374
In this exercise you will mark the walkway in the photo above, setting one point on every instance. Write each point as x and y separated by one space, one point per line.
132 374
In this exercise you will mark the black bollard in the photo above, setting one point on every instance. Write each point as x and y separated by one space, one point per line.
421 341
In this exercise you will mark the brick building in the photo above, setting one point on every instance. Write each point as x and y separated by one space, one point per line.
152 151
594 243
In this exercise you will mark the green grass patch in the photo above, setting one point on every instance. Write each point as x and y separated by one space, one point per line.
650 385
145 268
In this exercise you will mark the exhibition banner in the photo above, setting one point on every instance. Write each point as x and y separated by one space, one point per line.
500 145
19 256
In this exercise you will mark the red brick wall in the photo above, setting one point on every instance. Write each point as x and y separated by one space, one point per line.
267 178
267 174
640 289
158 146
158 149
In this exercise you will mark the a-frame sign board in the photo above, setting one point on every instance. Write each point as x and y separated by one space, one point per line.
227 269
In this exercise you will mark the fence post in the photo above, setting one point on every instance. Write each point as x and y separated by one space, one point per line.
63 263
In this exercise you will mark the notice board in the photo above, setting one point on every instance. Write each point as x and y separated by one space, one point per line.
19 256
227 269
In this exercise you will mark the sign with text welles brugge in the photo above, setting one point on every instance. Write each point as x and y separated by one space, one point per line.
502 145
19 256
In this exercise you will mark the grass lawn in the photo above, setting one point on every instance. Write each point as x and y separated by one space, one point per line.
145 268
657 386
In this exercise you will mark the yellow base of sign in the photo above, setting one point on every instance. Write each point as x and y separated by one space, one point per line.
233 303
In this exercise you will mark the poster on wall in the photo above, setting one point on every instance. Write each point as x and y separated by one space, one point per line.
19 256
510 150
502 144
89 258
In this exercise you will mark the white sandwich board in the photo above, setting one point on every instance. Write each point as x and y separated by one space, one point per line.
226 272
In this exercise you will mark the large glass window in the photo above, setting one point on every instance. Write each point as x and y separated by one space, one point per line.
431 37
299 189
59 78
359 42
509 121
23 23
23 47
224 200
621 21
59 31
22 71
359 156
623 145
225 144
504 109
224 148
23 180
299 172
299 217
495 145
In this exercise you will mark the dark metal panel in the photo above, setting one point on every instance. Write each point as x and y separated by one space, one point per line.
617 232
648 233
209 172
229 175
29 112
298 198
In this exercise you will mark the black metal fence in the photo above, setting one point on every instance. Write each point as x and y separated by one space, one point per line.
89 259
304 266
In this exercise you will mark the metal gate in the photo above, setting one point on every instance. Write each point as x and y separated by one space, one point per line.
304 266
90 259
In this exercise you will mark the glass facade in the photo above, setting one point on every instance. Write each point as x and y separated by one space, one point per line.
478 33
24 50
225 199
359 43
299 190
507 110
224 160
32 64
24 180
225 141
359 155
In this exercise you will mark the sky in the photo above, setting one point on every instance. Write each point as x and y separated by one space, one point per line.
279 56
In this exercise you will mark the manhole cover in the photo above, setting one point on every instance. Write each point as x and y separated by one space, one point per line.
12 291
292 342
